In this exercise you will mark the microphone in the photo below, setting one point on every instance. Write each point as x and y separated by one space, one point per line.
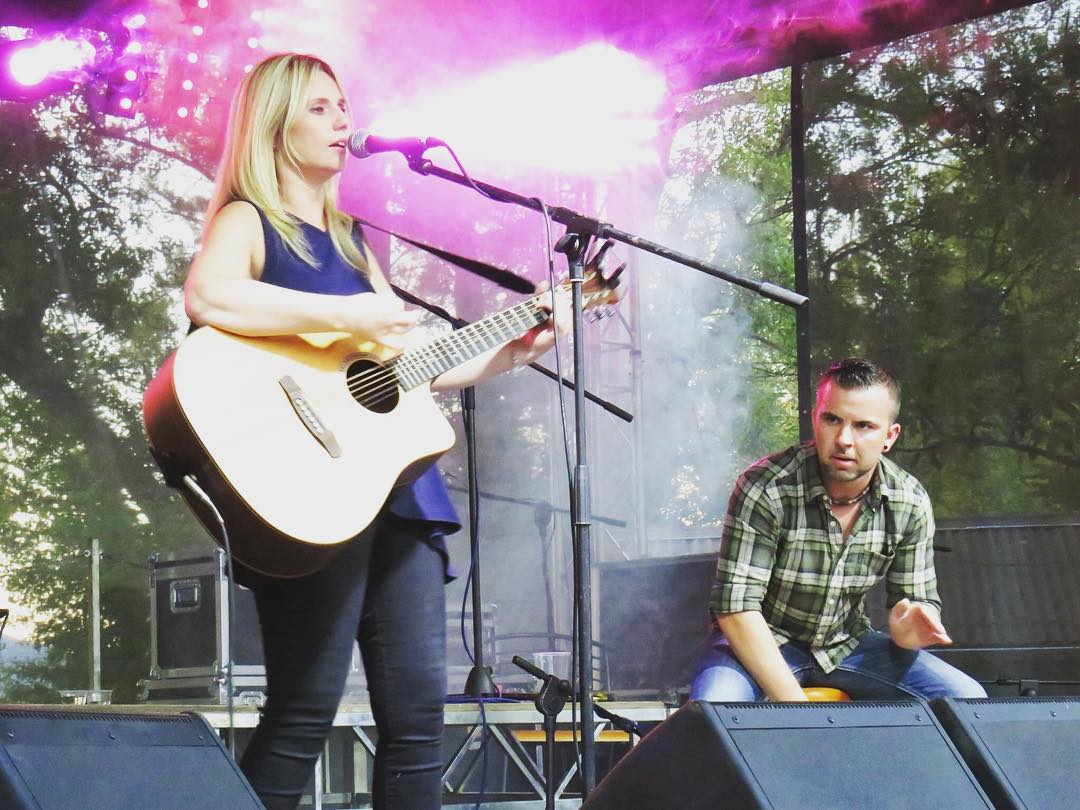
363 144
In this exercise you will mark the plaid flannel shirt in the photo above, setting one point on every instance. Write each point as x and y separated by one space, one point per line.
783 552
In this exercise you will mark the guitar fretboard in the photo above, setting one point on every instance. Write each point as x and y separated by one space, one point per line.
416 366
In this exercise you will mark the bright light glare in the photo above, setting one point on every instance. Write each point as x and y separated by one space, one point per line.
543 115
34 63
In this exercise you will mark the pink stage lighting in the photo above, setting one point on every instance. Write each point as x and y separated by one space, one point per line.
99 61
591 111
30 63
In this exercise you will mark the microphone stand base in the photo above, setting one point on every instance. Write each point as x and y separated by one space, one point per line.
479 683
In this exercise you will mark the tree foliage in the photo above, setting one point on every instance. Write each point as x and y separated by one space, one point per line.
943 177
87 310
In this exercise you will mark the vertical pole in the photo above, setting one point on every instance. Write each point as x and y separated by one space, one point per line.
802 271
582 530
551 782
95 614
479 682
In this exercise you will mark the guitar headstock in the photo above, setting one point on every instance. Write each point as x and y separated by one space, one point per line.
600 287
599 293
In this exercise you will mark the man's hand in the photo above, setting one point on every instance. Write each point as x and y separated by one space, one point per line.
753 644
914 625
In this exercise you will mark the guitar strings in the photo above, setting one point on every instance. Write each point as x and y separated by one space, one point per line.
368 382
380 383
374 385
383 379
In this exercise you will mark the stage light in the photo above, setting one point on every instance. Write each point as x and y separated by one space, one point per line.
30 65
193 57
510 116
197 30
187 84
34 68
115 91
182 112
104 63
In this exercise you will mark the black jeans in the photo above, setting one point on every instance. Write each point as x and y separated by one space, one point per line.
386 591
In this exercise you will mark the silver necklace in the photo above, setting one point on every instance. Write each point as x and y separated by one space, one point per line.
853 499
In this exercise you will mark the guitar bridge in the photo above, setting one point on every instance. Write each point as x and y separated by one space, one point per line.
309 418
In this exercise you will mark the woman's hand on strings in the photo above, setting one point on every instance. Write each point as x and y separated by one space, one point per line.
381 317
539 340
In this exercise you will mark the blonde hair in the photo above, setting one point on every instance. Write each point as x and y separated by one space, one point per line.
264 107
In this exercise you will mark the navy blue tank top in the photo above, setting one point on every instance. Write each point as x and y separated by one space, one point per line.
426 498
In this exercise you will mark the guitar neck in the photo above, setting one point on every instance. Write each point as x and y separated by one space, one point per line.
417 366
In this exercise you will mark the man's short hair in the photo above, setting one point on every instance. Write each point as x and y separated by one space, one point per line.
857 372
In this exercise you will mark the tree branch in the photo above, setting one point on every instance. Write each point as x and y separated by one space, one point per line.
120 135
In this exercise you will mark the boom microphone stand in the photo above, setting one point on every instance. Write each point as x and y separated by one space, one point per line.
580 229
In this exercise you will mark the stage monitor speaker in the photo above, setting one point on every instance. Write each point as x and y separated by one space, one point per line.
74 760
792 755
1024 751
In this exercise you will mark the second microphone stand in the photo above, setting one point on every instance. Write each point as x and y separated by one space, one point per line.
479 683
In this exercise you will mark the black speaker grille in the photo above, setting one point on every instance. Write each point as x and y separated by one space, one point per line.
1072 701
83 715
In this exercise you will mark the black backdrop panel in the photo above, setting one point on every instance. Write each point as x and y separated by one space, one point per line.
653 620
1010 604
61 760
780 755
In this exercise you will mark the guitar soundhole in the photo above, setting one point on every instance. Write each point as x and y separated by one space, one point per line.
373 385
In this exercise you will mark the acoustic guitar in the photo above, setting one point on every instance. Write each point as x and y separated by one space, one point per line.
299 439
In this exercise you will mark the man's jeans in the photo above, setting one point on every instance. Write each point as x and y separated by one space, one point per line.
875 670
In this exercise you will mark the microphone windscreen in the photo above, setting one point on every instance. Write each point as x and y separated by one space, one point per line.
356 144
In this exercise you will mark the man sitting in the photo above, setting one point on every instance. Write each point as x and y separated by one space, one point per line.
808 532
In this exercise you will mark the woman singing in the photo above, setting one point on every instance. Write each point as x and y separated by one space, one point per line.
279 257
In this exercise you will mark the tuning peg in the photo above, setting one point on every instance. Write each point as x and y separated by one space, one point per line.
613 279
599 255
